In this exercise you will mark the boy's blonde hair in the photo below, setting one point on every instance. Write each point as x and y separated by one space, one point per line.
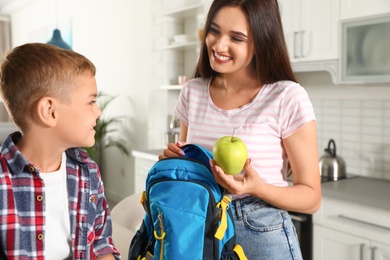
36 70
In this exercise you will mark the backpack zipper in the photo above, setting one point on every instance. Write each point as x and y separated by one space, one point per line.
162 234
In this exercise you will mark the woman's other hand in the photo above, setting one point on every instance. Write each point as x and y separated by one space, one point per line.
173 150
246 183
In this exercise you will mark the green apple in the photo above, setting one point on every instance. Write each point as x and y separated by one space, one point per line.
230 153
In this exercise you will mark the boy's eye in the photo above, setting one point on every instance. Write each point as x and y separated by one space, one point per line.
93 102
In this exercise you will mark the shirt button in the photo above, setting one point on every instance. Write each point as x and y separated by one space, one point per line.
39 198
40 236
32 168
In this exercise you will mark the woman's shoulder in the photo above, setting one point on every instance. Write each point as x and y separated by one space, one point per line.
283 85
199 85
283 88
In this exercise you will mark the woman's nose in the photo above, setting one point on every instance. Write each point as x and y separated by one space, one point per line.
221 44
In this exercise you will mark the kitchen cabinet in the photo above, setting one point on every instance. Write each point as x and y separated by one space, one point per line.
351 9
5 32
346 230
311 29
380 251
143 161
182 30
336 245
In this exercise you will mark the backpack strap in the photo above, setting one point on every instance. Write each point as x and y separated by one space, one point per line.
224 205
149 247
240 252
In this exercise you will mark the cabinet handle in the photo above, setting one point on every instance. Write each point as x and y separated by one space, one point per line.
362 251
299 219
363 222
373 249
302 44
296 55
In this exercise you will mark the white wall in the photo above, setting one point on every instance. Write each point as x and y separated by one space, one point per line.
115 36
357 117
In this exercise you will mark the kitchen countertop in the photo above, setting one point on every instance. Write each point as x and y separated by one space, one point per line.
147 154
367 191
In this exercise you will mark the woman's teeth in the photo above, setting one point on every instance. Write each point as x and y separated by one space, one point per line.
224 58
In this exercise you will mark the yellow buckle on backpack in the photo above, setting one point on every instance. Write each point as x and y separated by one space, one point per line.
223 204
143 198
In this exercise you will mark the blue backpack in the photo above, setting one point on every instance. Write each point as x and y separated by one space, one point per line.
188 216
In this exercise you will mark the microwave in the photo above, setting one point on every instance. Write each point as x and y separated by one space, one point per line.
365 51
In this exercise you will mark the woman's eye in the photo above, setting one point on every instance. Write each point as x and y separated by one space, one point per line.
93 102
236 39
213 30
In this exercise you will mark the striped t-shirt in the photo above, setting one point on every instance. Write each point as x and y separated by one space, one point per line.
275 113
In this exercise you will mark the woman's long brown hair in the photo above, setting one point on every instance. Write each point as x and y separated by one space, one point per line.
271 61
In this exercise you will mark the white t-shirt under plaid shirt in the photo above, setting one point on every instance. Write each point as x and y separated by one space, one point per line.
275 113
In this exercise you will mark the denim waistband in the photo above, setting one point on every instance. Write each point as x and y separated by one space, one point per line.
239 204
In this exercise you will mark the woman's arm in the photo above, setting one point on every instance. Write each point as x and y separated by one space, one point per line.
304 196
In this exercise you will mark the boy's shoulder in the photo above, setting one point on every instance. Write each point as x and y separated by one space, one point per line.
79 155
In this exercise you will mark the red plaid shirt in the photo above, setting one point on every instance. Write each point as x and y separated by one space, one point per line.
22 204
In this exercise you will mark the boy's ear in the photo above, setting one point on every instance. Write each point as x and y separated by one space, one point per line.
47 111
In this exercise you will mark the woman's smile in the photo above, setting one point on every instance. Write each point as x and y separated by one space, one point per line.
221 58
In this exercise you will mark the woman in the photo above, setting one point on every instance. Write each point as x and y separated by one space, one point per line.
244 86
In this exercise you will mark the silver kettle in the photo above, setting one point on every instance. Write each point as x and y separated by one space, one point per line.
332 166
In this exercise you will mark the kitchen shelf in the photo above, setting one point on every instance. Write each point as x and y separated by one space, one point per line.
171 87
178 46
330 66
187 11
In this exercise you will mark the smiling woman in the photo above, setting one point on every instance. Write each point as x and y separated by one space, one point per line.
244 81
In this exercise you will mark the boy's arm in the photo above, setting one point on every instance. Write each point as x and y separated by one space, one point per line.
103 234
103 227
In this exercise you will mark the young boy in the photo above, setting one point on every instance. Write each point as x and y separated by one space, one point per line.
52 203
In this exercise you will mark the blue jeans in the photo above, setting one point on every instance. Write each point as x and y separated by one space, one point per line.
265 232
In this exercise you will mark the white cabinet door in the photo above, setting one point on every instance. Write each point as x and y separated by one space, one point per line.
380 251
311 29
331 244
290 10
321 29
362 8
142 167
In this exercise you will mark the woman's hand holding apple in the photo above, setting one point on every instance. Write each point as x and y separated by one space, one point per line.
231 158
247 183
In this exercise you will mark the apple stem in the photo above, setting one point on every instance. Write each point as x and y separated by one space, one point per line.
235 129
